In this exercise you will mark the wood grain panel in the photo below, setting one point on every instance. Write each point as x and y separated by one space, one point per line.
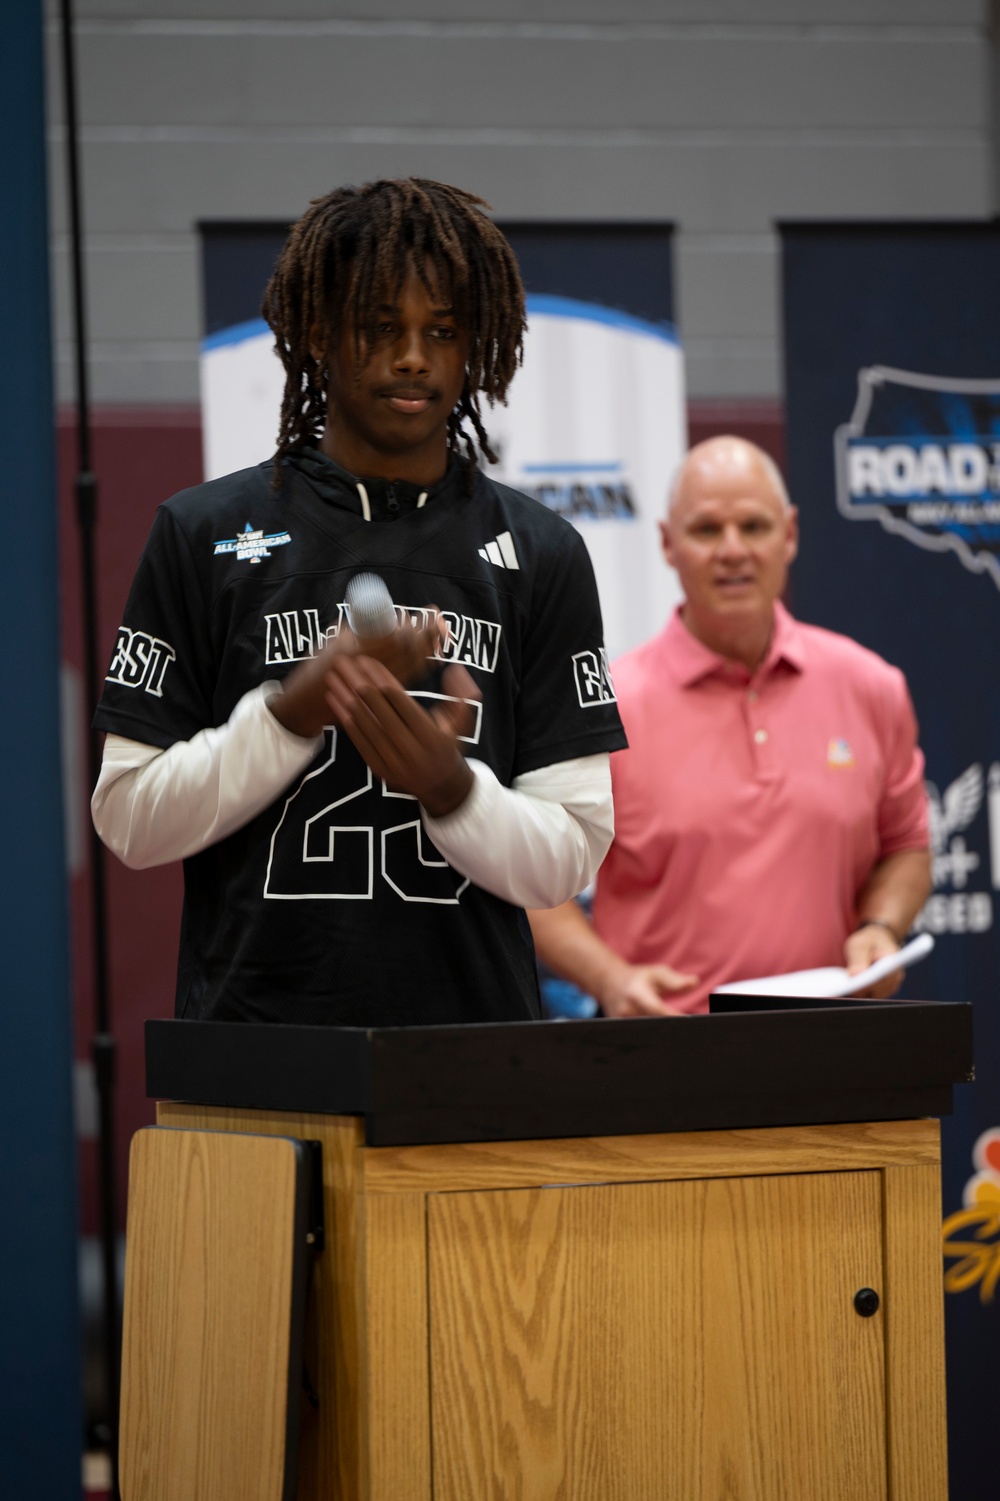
334 1439
621 1159
207 1317
915 1386
691 1340
398 1375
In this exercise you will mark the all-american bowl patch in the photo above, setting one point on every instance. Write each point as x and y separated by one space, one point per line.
251 546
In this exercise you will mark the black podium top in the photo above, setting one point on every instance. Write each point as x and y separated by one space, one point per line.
751 1062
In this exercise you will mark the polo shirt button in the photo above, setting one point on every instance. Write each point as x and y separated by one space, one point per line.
753 695
760 736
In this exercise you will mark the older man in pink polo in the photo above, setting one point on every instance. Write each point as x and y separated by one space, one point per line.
769 811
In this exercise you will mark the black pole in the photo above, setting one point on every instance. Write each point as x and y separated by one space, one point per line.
103 1047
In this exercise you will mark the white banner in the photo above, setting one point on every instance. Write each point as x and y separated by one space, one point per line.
594 428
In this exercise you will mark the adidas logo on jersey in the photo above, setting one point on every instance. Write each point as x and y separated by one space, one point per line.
500 551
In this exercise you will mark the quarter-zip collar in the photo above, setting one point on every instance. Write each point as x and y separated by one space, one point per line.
371 497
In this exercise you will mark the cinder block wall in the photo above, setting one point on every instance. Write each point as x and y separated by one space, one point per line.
723 115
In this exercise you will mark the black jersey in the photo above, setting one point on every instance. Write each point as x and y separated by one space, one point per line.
333 906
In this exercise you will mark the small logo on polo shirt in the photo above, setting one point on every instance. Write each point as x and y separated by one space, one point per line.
839 753
252 545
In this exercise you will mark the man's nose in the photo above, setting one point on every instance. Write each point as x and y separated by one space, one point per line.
732 543
410 353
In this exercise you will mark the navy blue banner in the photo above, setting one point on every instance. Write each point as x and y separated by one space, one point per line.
625 266
892 371
41 1422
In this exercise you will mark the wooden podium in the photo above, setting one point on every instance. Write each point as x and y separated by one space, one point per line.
610 1261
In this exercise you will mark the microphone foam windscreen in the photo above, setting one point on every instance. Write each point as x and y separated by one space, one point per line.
370 609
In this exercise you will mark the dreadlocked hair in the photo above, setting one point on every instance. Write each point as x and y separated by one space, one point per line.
357 244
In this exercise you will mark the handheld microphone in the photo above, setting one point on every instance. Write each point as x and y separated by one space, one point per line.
370 610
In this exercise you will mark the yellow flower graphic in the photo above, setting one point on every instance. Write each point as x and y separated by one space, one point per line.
978 1259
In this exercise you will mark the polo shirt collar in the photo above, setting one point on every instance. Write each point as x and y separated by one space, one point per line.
690 660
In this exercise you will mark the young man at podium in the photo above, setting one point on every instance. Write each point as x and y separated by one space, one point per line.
770 811
354 853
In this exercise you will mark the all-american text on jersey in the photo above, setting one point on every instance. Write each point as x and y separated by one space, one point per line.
292 635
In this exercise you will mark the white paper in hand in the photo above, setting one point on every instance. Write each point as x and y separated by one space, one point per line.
826 984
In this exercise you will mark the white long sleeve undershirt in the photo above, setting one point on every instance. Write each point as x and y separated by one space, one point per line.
534 844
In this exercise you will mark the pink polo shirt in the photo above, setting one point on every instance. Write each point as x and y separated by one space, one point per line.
750 809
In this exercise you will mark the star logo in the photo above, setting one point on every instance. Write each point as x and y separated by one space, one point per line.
252 546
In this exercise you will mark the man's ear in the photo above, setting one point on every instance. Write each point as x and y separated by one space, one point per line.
666 546
792 535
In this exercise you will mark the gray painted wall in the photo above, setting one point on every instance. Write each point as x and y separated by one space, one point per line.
723 115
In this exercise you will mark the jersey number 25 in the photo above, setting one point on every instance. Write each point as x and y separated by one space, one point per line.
322 850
